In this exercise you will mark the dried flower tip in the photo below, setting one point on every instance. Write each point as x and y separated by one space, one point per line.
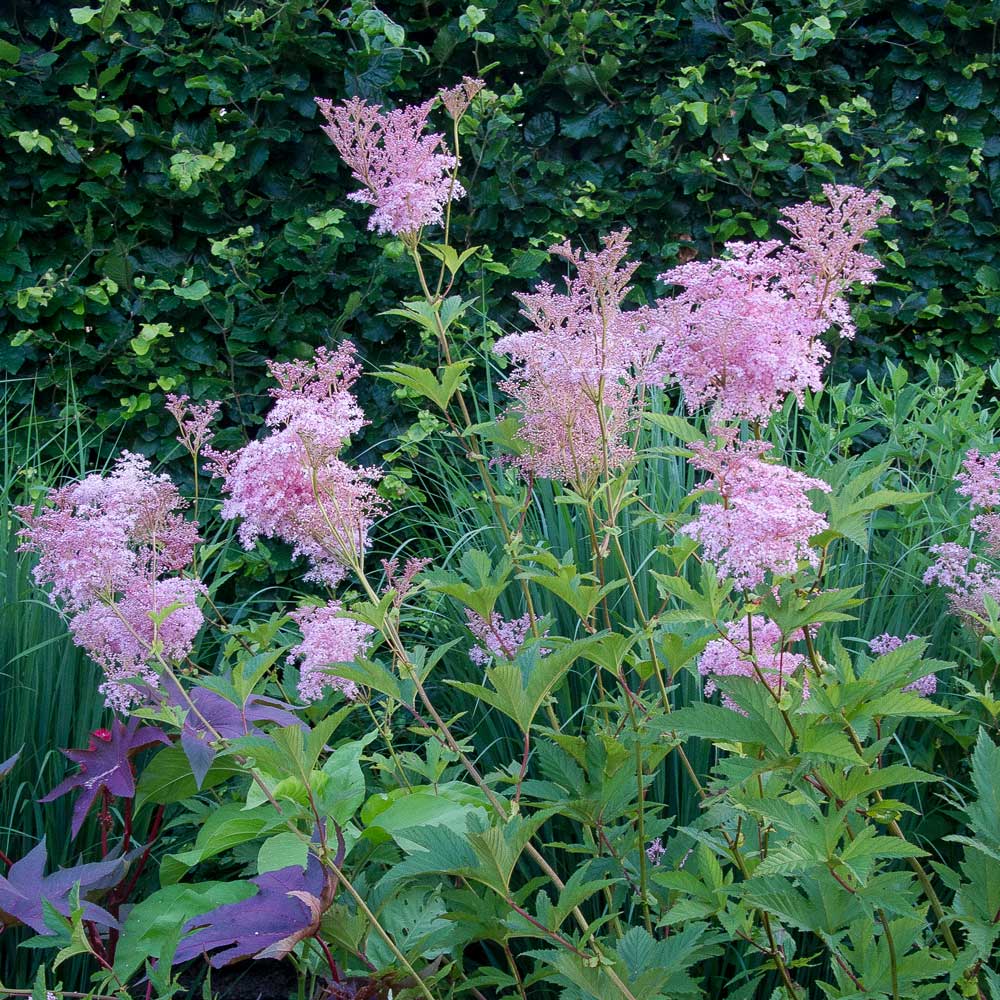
457 99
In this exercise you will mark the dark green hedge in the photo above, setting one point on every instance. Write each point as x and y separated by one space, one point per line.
172 215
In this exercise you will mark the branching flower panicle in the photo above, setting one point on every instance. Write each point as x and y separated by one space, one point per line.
458 98
764 521
578 369
824 253
743 333
406 172
753 648
193 420
968 580
292 484
104 546
328 638
498 638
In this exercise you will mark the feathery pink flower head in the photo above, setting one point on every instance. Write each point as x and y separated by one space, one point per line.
458 98
103 547
979 480
193 420
578 368
120 636
753 648
967 585
402 583
736 339
765 519
655 851
499 639
825 247
406 173
292 484
102 532
327 639
743 333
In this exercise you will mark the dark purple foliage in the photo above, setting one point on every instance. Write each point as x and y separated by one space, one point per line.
27 885
286 910
8 765
228 720
106 764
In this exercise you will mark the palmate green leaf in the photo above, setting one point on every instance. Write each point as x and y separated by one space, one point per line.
573 971
567 583
393 815
779 896
977 900
791 858
427 316
226 827
519 688
499 847
713 722
860 783
373 675
793 612
675 425
861 854
153 920
415 920
984 813
439 390
449 256
662 968
480 584
827 740
706 602
908 704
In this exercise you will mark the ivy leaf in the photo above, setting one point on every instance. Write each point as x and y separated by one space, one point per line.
286 909
106 765
27 888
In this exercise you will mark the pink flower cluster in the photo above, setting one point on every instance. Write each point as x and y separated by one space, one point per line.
743 334
655 851
578 368
499 639
764 521
292 484
402 583
406 173
968 580
327 639
886 643
193 420
735 338
104 546
979 480
458 98
753 648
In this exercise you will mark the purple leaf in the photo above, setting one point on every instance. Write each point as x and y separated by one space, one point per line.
27 885
106 764
214 712
8 765
286 910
